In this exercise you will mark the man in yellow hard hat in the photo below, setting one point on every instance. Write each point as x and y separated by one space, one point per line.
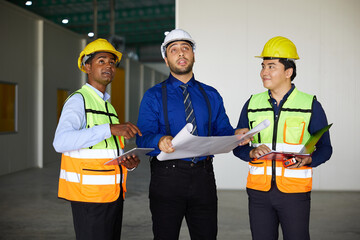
279 194
88 135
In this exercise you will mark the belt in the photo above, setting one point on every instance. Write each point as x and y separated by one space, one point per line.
178 163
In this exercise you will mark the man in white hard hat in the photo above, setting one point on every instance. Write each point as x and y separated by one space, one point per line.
88 135
280 195
181 187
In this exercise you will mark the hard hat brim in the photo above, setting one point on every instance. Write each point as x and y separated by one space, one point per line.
166 44
276 57
117 54
279 47
99 45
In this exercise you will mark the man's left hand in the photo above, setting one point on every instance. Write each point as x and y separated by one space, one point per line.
301 161
130 162
242 131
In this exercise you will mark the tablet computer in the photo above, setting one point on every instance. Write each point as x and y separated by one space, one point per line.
139 152
307 149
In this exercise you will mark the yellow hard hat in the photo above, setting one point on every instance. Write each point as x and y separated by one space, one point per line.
99 45
279 47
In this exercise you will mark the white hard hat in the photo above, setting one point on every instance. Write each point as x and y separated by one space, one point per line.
176 35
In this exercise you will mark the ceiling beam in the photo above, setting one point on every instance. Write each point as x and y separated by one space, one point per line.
121 15
138 25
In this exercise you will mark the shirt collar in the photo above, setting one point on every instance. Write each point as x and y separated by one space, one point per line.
105 96
286 95
174 82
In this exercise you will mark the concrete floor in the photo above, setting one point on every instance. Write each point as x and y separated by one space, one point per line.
30 209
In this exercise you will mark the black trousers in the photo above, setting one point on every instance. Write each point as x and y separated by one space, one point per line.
98 221
269 209
181 189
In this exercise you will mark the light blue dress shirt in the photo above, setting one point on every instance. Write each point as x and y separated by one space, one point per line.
71 132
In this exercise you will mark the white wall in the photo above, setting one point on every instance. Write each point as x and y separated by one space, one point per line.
41 57
17 65
160 67
139 78
230 33
60 72
35 56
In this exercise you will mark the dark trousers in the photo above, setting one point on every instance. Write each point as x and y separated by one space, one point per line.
269 209
181 189
98 221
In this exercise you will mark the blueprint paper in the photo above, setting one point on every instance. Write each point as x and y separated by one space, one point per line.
188 146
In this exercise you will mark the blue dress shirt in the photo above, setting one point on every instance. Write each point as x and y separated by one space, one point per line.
151 117
71 132
318 120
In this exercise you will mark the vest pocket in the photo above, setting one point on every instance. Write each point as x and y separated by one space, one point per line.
296 180
257 173
98 181
264 135
294 128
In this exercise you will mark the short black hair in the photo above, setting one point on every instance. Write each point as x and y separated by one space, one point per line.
288 63
166 46
92 55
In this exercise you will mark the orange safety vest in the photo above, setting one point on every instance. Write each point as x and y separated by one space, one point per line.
289 133
83 175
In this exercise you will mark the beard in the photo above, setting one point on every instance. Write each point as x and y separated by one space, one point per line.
182 71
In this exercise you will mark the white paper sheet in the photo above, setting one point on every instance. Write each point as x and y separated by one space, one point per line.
188 146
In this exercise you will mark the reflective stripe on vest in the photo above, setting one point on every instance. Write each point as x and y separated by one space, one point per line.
89 179
83 175
92 153
294 173
289 133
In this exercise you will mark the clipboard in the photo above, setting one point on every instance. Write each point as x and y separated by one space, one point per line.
306 151
281 156
139 152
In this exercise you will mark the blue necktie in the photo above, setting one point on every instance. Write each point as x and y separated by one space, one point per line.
190 115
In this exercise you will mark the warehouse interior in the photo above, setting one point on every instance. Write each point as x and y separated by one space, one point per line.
40 69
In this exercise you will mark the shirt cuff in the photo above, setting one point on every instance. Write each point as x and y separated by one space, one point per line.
105 128
156 139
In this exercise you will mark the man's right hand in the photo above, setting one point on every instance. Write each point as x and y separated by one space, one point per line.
128 130
259 151
165 144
